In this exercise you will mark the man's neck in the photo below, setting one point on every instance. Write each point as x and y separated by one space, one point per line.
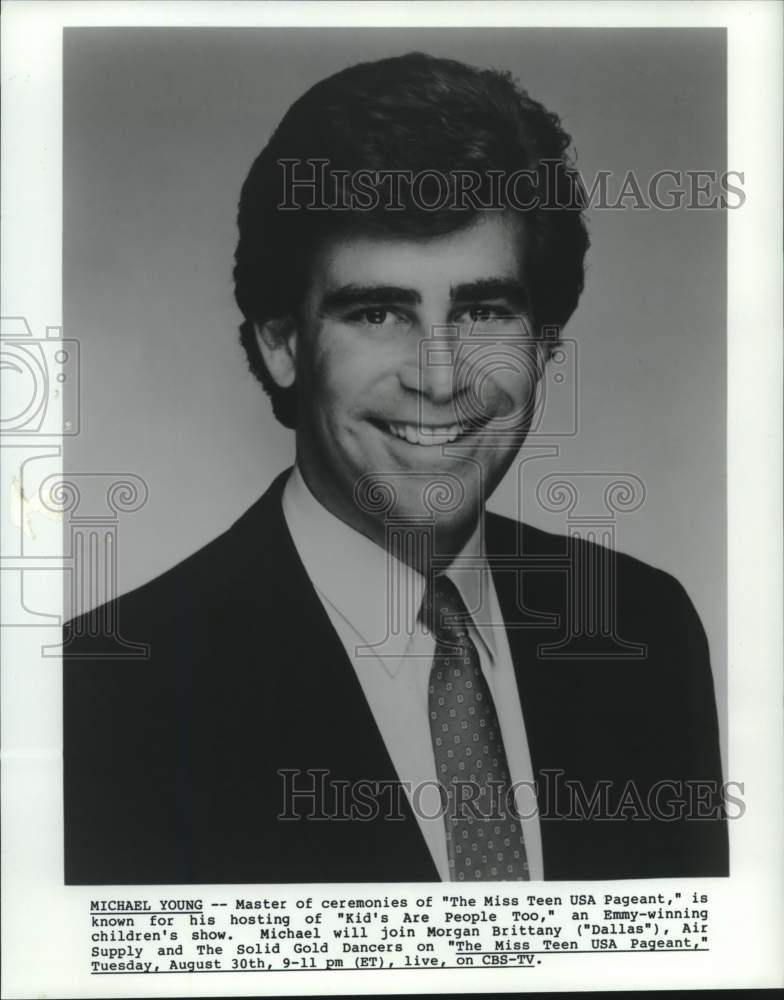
425 543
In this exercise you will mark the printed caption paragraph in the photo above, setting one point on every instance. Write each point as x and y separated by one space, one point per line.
442 930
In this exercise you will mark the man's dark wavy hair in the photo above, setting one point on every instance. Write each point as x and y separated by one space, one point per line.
407 113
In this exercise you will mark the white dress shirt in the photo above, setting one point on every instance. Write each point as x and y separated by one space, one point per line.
373 601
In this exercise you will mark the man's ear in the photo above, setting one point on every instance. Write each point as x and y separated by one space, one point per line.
277 340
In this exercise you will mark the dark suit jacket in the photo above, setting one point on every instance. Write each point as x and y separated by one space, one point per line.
171 762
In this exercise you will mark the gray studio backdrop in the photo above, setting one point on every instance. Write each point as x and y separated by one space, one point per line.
160 128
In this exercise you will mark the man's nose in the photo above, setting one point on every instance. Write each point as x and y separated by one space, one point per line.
432 373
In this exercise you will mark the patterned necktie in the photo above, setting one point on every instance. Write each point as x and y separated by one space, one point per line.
484 841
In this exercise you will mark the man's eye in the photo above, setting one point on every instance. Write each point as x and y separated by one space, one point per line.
377 316
487 314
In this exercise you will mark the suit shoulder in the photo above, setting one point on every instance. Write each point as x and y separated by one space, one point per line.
190 577
507 536
211 575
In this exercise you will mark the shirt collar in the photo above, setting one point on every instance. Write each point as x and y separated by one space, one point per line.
353 573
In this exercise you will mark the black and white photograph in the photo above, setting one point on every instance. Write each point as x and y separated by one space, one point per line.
381 459
380 659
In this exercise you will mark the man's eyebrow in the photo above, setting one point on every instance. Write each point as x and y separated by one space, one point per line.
346 296
356 295
490 288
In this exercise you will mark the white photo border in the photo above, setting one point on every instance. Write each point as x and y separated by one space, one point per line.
39 956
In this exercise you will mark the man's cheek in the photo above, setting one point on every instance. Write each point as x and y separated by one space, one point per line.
512 391
351 377
325 377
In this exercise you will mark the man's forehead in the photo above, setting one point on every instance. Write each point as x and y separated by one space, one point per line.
489 247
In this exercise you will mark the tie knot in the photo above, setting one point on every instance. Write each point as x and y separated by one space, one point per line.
443 611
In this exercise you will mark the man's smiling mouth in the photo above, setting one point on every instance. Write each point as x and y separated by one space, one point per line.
428 435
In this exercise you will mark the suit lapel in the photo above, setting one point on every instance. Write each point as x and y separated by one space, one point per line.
532 605
318 711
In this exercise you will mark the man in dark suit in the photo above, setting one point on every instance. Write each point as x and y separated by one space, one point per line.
366 633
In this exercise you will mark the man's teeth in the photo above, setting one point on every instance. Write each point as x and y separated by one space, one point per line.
425 435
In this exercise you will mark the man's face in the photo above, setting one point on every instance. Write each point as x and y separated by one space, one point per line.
415 366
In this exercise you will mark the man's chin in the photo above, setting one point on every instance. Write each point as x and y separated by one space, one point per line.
443 505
